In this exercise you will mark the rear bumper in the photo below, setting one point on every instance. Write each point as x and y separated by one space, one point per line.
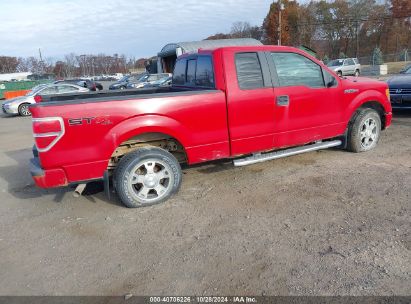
47 178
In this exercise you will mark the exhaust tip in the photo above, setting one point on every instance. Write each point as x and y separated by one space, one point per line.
79 190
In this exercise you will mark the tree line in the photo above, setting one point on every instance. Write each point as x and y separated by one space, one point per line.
72 65
333 28
337 28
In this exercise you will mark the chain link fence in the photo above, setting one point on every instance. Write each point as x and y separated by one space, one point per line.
403 56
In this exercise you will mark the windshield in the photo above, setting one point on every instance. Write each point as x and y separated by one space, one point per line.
164 80
336 62
124 78
142 78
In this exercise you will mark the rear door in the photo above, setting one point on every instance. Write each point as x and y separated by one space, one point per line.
250 102
306 109
350 66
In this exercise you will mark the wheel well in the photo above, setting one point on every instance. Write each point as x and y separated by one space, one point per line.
377 107
160 140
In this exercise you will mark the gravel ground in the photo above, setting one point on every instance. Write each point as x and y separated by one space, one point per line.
322 223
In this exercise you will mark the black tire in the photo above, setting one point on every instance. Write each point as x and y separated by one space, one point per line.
24 109
357 73
126 177
339 73
362 135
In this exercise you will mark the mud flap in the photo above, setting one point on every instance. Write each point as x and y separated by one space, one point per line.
106 180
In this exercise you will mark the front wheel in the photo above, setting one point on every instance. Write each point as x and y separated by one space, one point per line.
357 73
339 73
24 109
364 132
146 177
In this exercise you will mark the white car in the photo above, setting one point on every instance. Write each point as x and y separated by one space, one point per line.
20 105
345 66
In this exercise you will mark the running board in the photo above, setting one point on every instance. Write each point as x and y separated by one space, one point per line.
258 158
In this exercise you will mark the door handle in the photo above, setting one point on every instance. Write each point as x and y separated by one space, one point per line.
283 100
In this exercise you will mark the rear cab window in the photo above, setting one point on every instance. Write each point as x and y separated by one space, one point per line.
249 73
194 71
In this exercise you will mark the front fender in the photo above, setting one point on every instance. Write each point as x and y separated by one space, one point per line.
367 96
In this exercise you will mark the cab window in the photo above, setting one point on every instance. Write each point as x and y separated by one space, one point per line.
329 79
204 72
194 72
297 70
249 73
191 72
179 74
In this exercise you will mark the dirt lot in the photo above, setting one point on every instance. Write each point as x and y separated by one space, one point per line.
323 223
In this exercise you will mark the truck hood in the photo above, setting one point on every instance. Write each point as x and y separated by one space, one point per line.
363 83
400 82
353 79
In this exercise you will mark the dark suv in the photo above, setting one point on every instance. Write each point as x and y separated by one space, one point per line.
400 89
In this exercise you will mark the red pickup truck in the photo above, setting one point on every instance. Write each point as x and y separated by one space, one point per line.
246 103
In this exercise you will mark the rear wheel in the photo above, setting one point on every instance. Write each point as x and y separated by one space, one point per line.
24 109
364 132
357 73
146 177
339 73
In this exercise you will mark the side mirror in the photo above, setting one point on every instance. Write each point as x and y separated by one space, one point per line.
331 83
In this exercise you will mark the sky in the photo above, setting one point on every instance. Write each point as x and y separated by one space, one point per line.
138 28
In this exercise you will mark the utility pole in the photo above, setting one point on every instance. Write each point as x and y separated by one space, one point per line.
279 22
357 39
41 58
41 63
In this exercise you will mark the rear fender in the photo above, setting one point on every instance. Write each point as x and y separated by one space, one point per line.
146 124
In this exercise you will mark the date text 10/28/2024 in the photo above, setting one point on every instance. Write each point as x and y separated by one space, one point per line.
203 299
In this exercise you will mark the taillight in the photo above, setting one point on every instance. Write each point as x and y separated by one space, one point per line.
38 98
47 132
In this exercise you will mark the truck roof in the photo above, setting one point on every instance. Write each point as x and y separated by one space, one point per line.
252 48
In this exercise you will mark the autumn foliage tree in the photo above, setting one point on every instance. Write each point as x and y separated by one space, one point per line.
289 20
334 27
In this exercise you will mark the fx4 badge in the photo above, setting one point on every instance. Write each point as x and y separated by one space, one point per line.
102 120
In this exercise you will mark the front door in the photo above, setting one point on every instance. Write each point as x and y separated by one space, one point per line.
306 109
